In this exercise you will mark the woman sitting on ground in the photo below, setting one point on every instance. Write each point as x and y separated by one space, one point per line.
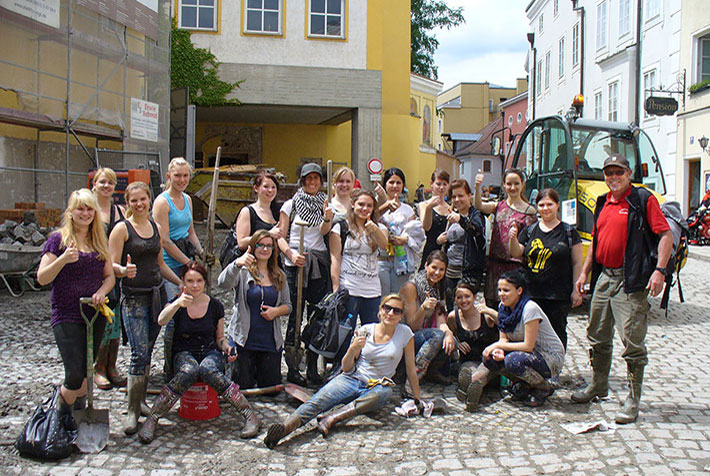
199 347
76 262
528 350
474 332
261 299
426 316
365 384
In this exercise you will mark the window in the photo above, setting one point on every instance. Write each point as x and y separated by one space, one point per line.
561 57
614 101
326 18
520 117
624 17
539 24
510 120
703 58
539 77
487 166
575 44
555 7
198 14
263 16
547 70
649 82
652 8
598 106
601 25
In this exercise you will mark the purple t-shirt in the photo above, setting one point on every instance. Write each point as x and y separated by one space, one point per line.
74 281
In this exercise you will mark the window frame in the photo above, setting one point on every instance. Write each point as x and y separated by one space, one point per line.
624 14
326 36
539 77
700 53
575 45
540 23
598 105
485 163
215 16
548 69
561 57
246 9
648 14
555 7
602 38
613 101
646 93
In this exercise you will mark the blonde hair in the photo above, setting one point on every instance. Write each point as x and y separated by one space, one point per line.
174 164
96 239
339 174
392 297
132 188
109 173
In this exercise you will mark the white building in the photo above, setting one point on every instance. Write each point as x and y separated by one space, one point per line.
589 47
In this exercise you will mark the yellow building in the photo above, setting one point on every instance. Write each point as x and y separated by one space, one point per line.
308 92
467 107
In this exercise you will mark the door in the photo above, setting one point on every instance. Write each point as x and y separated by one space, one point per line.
693 182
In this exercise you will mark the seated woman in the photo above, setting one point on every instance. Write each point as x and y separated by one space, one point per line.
261 299
528 351
474 332
197 349
365 383
426 315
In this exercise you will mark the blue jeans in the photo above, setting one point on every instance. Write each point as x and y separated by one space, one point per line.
427 345
142 332
515 364
209 369
366 308
390 282
172 291
342 389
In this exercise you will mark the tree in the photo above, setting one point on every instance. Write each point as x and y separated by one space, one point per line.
197 69
427 15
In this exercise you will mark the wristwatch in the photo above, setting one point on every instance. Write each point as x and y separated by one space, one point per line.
662 270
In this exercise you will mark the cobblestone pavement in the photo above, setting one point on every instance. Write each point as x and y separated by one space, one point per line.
672 435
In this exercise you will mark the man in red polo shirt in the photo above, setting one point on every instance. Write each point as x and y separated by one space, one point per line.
630 250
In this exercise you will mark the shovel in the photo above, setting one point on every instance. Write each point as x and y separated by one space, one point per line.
91 422
296 391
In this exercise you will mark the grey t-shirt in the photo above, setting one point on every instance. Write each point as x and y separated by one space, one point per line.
456 237
381 360
547 342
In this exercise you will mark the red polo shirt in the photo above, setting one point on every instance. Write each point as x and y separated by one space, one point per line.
612 228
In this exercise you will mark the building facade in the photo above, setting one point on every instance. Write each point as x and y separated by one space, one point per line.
515 116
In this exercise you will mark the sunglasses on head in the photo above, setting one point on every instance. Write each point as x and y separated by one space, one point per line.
397 311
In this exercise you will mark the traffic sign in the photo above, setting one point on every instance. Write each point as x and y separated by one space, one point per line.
374 165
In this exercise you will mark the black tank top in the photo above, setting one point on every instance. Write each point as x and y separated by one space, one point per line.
115 217
256 223
478 339
144 254
438 226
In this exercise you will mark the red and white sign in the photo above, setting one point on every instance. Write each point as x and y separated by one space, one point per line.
374 165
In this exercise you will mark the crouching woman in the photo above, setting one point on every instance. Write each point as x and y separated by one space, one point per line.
198 345
365 384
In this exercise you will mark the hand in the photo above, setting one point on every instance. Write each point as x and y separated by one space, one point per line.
655 284
576 298
479 178
247 259
70 255
579 285
487 351
482 308
184 300
434 201
209 259
429 303
379 191
230 352
454 217
441 239
275 232
464 348
358 342
513 233
371 227
268 312
98 298
393 204
298 259
449 344
498 355
400 240
327 212
129 270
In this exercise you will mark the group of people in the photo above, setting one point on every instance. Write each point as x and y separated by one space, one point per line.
413 279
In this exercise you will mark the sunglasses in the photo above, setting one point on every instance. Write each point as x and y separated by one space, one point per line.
612 172
397 311
266 246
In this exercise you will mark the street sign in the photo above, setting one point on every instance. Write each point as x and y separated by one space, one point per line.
659 106
375 177
374 165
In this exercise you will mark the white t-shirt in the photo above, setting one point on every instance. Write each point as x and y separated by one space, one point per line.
395 220
358 266
547 343
381 360
312 238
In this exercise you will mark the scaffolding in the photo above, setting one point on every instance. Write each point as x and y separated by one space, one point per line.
66 92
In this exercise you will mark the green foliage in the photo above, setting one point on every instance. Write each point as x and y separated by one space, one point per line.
197 69
699 86
426 16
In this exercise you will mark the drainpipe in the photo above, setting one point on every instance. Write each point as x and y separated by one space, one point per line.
637 69
531 40
581 44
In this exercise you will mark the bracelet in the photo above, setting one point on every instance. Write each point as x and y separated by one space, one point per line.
326 221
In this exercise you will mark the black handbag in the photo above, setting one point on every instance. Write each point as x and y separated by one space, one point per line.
48 434
230 249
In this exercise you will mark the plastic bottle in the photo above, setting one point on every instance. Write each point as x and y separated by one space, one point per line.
401 265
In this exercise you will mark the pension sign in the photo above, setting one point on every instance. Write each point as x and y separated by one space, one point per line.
659 106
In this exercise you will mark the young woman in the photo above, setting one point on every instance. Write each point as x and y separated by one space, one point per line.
353 261
106 375
527 351
365 383
199 349
262 298
398 261
434 212
513 210
262 214
465 242
307 210
136 254
343 182
426 315
473 332
172 211
76 262
553 261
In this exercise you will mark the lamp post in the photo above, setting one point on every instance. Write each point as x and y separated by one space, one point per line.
703 141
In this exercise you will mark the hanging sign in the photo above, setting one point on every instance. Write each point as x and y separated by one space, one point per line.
659 106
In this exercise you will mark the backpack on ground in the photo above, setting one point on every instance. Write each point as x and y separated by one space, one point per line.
326 331
679 254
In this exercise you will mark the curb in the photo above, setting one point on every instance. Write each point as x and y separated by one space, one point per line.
699 256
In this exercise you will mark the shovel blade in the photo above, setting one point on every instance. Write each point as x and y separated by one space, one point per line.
298 392
93 430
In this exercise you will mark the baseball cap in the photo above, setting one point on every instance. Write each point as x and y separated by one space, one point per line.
309 168
617 160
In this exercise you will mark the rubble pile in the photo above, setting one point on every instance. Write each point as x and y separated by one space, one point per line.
26 233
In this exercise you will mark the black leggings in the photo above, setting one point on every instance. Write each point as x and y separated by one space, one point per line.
71 340
257 368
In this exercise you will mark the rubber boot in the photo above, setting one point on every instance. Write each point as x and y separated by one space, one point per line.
80 403
278 430
312 374
599 387
62 406
145 408
136 389
366 403
464 380
100 379
114 376
292 362
162 406
630 409
475 389
239 401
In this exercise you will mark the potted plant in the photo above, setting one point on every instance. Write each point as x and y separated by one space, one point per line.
701 86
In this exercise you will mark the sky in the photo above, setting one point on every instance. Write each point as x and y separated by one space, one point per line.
491 46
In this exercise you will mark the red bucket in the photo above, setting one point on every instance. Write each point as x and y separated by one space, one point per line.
200 402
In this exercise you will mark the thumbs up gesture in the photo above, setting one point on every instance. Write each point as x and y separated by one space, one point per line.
184 300
327 212
247 259
129 271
